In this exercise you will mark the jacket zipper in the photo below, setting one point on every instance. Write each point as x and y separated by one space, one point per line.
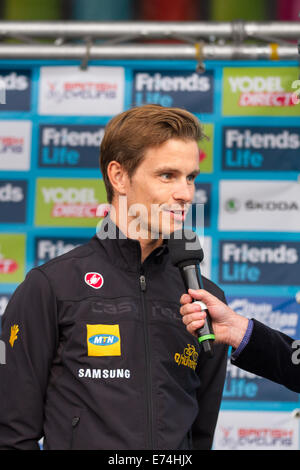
148 363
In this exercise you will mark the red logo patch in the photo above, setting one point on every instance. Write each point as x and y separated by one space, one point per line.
94 280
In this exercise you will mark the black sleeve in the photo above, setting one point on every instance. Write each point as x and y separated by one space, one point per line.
269 354
29 332
212 373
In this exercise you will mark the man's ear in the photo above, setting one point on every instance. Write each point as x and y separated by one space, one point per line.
118 177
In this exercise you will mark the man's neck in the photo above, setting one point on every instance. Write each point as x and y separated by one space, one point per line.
126 224
147 246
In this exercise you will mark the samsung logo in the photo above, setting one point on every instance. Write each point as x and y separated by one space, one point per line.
103 340
104 373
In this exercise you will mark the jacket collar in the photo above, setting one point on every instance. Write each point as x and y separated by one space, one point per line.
126 252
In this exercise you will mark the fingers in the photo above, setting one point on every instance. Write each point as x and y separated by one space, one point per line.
192 318
194 326
203 295
185 299
190 308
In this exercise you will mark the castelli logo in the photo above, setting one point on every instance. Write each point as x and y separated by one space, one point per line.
94 280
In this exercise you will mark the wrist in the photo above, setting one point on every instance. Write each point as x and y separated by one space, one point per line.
237 329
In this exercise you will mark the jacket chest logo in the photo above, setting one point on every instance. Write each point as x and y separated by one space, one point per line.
188 358
103 340
94 280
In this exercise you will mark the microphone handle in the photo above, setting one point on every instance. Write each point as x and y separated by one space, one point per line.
191 276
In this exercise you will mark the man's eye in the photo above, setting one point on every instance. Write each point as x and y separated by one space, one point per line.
166 176
191 178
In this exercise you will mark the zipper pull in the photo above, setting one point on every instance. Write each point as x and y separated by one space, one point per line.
75 421
143 283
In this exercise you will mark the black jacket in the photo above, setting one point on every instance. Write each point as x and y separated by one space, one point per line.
148 387
271 354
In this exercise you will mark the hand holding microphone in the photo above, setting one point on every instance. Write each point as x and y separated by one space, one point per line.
186 253
229 327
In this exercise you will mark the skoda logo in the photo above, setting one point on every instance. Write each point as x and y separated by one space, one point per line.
232 205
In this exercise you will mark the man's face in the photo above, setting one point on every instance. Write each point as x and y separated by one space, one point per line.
163 184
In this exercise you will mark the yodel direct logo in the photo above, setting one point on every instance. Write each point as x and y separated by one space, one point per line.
263 91
69 202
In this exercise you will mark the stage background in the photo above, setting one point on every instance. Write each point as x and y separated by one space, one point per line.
50 131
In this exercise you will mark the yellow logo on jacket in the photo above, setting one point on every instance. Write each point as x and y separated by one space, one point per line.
103 340
14 330
189 357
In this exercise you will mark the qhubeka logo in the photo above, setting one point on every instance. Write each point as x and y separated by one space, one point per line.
259 91
181 89
17 90
13 201
261 148
69 202
259 262
70 146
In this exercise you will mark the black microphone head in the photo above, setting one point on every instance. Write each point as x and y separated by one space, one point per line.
184 247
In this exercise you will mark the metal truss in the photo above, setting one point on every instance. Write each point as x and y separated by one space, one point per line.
200 41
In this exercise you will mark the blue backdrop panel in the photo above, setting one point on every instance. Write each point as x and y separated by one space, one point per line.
57 144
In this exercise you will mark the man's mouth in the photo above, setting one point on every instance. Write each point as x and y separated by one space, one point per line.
178 215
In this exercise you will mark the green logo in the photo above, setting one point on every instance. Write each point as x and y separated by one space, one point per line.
66 202
12 257
232 205
260 91
206 149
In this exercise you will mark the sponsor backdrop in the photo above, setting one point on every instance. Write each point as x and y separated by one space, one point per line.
51 126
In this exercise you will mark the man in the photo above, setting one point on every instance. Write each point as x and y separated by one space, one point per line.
257 348
101 359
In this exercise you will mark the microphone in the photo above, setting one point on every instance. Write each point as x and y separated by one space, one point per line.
186 253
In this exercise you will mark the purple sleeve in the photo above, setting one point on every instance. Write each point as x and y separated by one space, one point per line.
244 341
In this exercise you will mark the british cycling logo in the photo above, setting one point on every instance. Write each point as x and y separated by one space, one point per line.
94 280
67 90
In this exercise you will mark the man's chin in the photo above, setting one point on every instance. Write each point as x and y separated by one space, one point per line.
167 230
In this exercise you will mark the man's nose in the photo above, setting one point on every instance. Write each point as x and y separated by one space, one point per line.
184 191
